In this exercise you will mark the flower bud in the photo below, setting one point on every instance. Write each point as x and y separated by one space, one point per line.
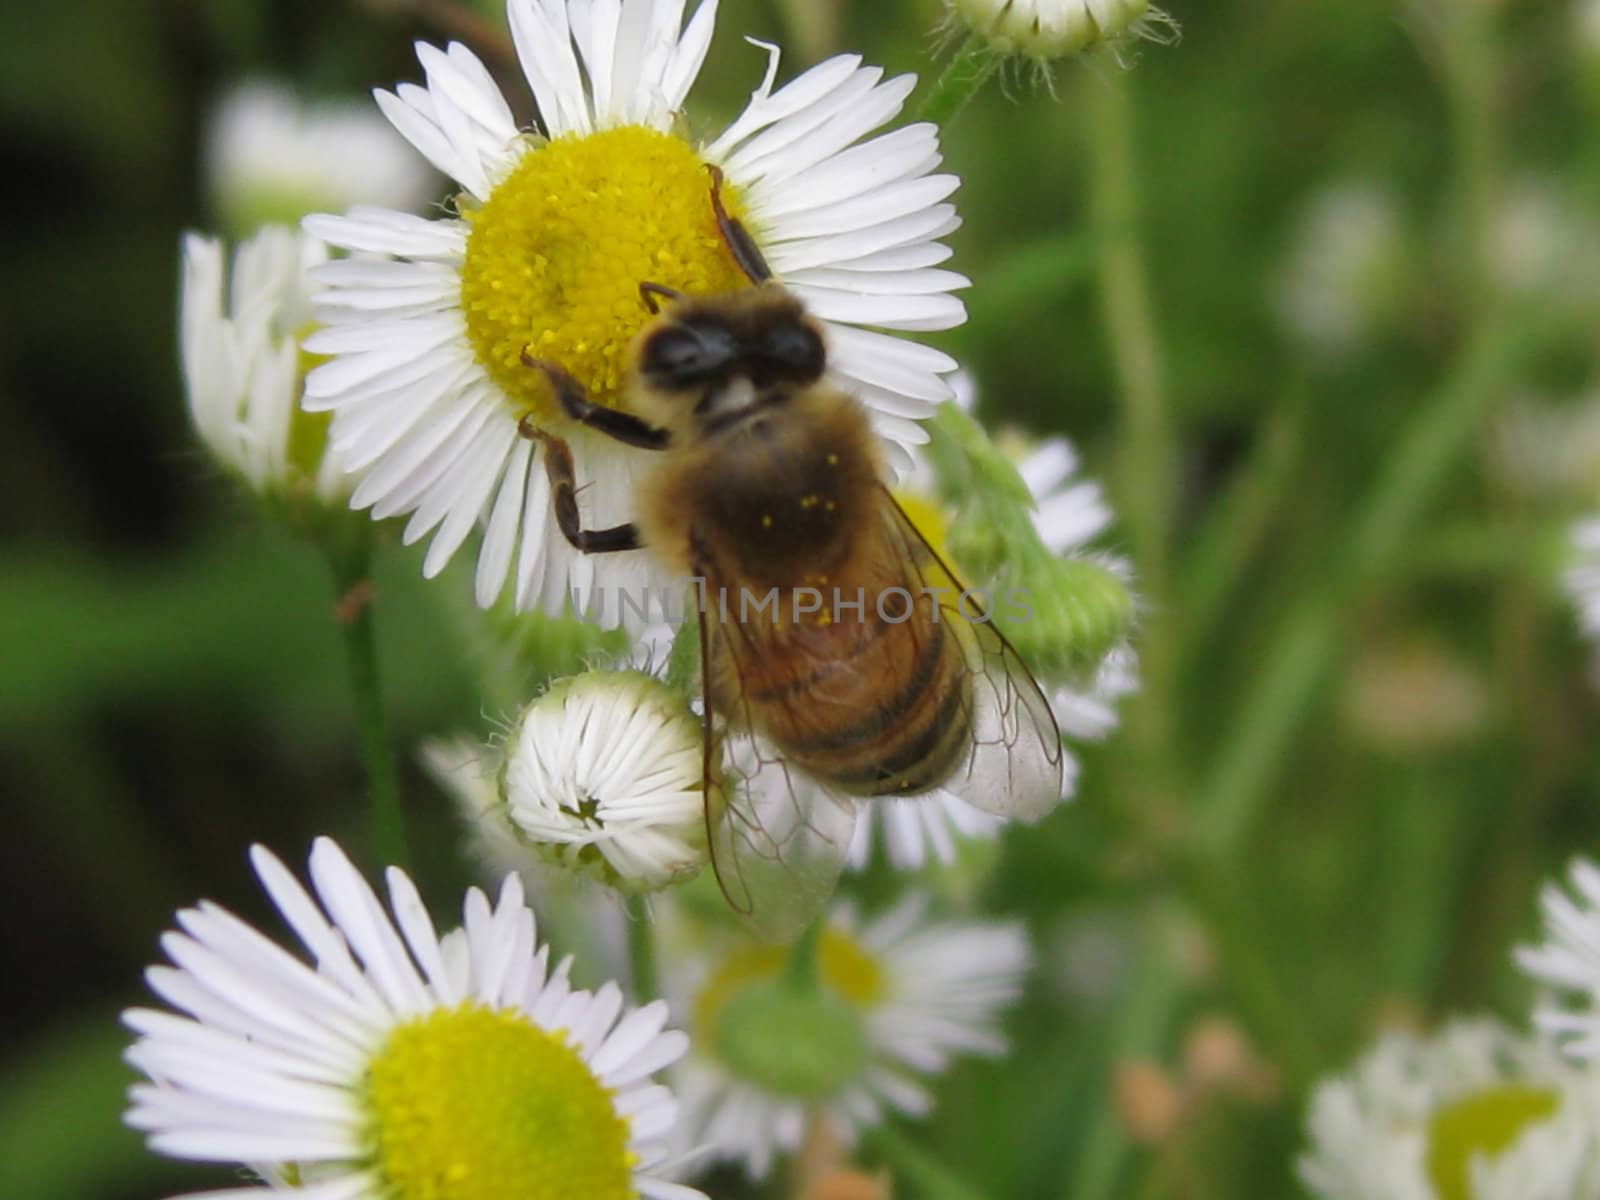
1044 30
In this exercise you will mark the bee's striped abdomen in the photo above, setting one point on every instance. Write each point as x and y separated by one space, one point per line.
886 710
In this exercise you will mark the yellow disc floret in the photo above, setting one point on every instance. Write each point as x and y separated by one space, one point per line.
472 1103
1486 1123
556 255
793 1035
845 965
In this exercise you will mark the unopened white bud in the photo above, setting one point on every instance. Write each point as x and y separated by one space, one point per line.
1050 29
600 775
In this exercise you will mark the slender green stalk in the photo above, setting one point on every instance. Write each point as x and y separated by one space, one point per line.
1148 447
1148 456
1145 493
1299 654
804 971
1154 994
1219 562
1217 888
642 949
352 576
961 80
928 1176
1471 75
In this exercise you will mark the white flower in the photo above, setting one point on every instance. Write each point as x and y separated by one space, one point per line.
602 775
1341 277
1049 29
270 157
1568 961
396 1057
908 993
428 384
1586 23
1545 449
1071 512
239 335
1541 239
1473 1111
1582 583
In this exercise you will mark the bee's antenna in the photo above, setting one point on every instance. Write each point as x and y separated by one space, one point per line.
653 293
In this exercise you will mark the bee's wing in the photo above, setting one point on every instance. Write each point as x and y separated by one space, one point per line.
1015 767
780 839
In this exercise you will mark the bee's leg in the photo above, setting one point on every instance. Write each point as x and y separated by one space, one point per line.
624 427
563 489
653 293
740 244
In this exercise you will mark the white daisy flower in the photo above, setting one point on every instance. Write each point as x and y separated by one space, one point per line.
1586 24
397 1063
555 233
601 775
1342 279
1070 513
1582 583
900 995
239 334
271 157
1548 450
1474 1112
1043 30
1542 240
1568 961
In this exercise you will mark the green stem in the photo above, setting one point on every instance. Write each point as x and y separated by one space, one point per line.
959 82
804 971
1244 945
928 1176
1471 75
1154 995
1149 451
1304 647
352 576
1148 454
1223 548
642 949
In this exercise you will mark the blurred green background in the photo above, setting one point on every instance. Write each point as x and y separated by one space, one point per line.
1365 733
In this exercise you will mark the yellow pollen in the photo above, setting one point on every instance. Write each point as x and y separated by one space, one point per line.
308 431
1485 1123
930 521
848 967
556 255
766 520
833 460
478 1104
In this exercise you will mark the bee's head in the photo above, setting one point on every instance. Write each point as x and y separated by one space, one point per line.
717 354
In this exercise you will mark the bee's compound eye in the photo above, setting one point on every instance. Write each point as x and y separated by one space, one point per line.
688 353
792 349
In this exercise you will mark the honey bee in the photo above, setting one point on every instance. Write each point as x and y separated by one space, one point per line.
836 663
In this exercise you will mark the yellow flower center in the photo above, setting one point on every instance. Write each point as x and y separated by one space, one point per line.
1486 1123
805 1038
477 1104
846 966
930 519
308 431
556 255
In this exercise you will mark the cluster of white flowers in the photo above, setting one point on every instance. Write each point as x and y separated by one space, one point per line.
397 1054
375 359
1479 1110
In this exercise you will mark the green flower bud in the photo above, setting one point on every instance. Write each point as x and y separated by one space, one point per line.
792 1039
1081 610
1046 30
